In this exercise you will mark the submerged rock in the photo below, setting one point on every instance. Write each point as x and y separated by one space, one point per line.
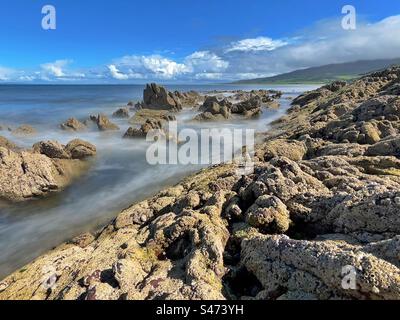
141 116
104 124
73 124
144 129
24 130
79 149
121 113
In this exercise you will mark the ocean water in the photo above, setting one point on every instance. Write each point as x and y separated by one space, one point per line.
119 175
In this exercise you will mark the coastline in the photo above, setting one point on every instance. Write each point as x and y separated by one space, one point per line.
214 230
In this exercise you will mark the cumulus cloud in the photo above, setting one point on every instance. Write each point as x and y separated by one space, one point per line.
325 43
155 66
205 61
256 44
6 73
116 74
55 68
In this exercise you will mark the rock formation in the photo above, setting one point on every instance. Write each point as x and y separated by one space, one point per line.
322 204
158 98
144 129
121 113
24 130
49 167
103 123
214 109
73 124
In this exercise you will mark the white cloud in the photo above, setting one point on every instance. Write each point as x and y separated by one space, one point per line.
205 61
153 65
6 73
55 68
116 74
256 44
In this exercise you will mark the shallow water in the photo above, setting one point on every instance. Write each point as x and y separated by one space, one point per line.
118 177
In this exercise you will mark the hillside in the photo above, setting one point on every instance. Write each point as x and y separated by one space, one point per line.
326 73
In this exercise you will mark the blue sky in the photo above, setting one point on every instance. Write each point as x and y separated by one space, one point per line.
179 41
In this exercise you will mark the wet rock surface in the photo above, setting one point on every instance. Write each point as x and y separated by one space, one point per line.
73 124
104 124
158 98
48 167
323 203
250 105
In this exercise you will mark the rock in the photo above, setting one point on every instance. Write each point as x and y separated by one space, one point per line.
121 113
248 108
73 124
268 214
79 149
144 129
158 98
7 144
141 116
215 109
26 174
328 175
315 269
104 124
387 147
292 149
52 149
24 130
188 99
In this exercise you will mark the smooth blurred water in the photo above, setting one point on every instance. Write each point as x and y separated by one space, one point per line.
119 175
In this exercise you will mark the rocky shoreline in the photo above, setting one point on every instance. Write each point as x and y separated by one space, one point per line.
324 197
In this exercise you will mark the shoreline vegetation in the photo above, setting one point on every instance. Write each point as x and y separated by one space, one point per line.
324 196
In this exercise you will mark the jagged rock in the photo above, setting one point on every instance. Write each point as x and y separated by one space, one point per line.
388 147
214 109
52 149
24 130
143 115
188 99
25 174
268 214
248 108
79 149
104 124
73 125
144 129
157 97
121 113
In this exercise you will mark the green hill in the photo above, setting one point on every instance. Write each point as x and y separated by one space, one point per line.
326 73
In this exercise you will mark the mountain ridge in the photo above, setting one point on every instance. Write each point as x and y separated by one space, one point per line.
326 73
